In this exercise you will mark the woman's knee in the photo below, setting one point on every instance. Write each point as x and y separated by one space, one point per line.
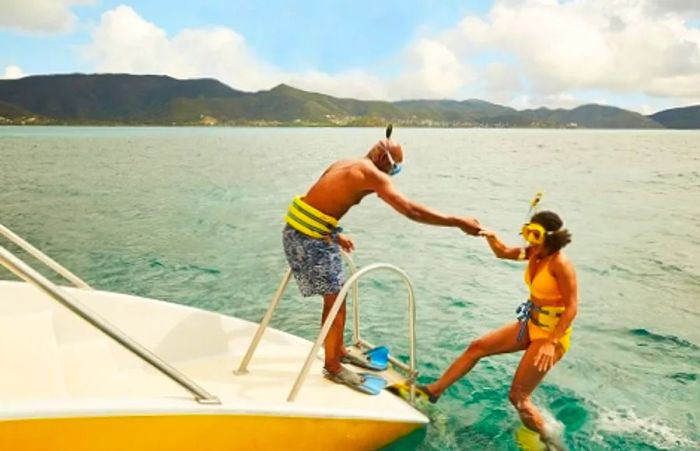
518 398
475 350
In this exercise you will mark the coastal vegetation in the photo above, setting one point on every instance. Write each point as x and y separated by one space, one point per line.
124 99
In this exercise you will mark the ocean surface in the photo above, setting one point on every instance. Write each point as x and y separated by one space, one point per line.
194 215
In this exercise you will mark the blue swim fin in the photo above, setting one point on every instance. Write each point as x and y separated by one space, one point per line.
378 357
373 384
367 383
375 359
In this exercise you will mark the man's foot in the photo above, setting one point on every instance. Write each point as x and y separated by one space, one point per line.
343 376
365 383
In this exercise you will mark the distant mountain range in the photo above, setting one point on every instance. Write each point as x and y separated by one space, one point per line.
161 100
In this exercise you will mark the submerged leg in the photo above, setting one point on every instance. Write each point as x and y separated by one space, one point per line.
499 341
526 379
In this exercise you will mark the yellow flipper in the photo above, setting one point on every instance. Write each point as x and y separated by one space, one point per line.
403 390
528 440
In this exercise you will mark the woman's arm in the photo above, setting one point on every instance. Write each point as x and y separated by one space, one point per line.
500 249
563 271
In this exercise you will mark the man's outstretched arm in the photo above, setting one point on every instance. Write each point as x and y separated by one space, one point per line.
414 211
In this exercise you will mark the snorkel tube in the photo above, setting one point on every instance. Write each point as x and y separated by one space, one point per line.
395 167
533 209
533 204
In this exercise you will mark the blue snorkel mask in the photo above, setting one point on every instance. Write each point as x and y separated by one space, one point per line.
395 167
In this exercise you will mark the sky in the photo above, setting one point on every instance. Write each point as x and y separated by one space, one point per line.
642 55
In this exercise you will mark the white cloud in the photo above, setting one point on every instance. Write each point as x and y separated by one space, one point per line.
501 82
123 41
613 45
44 16
683 7
12 72
432 69
540 52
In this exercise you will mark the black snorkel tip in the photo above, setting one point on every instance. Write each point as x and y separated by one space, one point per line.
389 129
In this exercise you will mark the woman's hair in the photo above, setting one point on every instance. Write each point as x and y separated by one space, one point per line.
559 237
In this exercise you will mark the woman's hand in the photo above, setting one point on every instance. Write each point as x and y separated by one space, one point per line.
346 243
546 355
487 233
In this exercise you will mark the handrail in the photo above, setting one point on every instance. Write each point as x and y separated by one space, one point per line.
355 300
30 275
330 318
243 367
356 338
45 259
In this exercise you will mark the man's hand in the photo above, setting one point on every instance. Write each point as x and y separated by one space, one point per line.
346 243
469 225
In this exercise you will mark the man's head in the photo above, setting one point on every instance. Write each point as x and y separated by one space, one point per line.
387 156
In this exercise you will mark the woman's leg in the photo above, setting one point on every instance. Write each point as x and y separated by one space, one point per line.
499 341
526 379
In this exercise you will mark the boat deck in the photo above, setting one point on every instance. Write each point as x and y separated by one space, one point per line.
55 364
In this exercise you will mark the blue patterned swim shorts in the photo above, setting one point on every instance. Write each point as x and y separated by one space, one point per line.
316 264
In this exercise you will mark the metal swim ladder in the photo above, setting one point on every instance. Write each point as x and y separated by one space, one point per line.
351 283
25 272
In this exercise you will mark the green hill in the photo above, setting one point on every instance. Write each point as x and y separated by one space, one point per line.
593 116
12 111
107 97
154 99
688 117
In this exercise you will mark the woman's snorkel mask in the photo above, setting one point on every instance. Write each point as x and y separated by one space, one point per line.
395 167
534 233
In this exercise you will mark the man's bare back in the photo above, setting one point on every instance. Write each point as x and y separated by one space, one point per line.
344 184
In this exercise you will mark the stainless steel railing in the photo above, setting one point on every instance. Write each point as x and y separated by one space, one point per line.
350 284
45 259
334 312
243 367
33 277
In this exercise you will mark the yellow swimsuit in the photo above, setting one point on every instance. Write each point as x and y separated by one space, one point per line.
544 288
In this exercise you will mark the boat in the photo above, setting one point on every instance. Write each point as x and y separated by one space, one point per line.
84 369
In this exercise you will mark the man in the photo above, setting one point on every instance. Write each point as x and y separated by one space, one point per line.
312 238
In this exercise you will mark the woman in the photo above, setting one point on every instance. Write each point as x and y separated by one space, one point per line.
543 329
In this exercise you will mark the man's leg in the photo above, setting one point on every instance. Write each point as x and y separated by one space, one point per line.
334 344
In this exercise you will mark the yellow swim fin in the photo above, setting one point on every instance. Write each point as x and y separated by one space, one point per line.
528 440
403 390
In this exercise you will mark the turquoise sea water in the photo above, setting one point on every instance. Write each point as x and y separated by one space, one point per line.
193 215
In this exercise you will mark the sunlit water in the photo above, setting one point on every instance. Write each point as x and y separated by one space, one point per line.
194 215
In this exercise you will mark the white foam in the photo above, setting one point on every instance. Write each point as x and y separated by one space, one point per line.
554 430
651 430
